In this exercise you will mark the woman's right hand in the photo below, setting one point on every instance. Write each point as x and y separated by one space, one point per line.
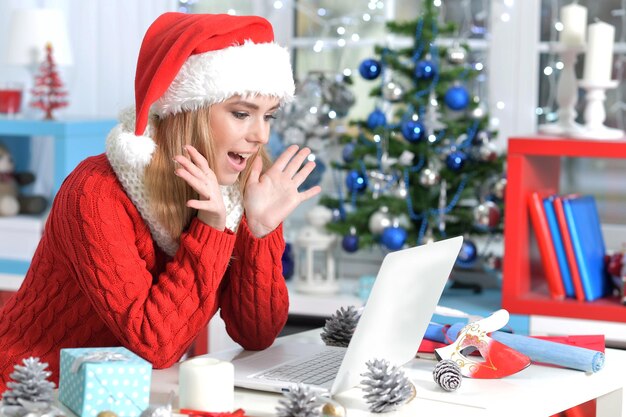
195 171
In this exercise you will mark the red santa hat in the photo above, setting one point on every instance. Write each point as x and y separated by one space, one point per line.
189 61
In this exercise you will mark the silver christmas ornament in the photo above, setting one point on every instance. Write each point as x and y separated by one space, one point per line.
406 158
456 54
432 117
379 220
339 96
486 215
499 188
487 152
401 220
401 190
429 177
392 91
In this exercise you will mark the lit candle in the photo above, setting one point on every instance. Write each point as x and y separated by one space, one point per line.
574 20
206 384
599 56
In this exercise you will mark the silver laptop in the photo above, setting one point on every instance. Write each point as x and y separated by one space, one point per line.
404 296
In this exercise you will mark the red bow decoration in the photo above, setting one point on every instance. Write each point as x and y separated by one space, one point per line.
198 413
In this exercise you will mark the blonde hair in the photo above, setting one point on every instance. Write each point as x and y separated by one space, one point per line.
167 193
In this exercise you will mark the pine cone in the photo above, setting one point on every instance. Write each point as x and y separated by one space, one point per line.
447 374
339 328
386 388
299 402
31 384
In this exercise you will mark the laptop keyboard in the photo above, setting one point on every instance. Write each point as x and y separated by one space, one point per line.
317 369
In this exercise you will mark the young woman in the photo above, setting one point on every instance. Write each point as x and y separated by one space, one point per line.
180 217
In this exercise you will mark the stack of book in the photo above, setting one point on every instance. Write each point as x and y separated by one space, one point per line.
571 245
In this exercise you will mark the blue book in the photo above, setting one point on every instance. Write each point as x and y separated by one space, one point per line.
559 248
583 223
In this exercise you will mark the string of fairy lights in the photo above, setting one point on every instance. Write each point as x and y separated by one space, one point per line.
334 30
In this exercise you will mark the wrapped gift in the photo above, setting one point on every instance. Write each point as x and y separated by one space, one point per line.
98 379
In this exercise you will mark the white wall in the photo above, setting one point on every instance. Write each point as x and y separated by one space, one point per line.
105 37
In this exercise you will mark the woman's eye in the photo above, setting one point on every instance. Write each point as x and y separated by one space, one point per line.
240 114
269 117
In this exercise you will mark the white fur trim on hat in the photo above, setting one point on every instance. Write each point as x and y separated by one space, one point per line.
212 77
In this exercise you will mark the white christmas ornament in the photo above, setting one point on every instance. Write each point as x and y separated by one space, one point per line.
379 220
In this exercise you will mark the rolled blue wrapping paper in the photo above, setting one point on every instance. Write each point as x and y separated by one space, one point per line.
436 332
545 351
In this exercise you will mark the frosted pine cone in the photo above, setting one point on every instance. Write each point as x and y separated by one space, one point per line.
30 383
447 374
30 389
339 328
299 402
386 387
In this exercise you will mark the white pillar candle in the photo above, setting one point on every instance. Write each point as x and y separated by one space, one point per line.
206 384
574 20
599 56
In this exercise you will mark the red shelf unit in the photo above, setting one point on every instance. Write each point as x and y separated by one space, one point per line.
533 164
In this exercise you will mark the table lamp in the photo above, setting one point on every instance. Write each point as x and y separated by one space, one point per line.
30 31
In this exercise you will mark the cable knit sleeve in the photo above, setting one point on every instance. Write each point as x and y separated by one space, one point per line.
254 301
154 308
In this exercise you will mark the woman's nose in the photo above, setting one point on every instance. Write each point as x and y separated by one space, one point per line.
260 131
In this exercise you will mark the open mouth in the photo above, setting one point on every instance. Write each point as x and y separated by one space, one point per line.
239 159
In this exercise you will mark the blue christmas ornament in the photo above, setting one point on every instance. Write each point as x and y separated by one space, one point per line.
457 97
456 160
376 119
356 181
350 243
288 261
425 70
393 237
468 254
370 69
347 153
315 177
413 130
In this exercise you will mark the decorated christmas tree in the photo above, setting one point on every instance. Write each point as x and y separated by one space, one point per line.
423 165
48 93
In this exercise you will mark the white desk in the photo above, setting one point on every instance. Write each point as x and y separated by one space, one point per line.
536 391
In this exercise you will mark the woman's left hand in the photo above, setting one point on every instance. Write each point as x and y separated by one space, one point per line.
270 197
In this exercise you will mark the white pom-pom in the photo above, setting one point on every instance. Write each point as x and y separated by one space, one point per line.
131 150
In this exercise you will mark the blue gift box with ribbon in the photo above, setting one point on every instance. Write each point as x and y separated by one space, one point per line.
114 379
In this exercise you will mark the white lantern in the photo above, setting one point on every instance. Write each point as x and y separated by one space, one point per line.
315 261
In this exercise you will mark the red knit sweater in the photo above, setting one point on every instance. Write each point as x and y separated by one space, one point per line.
98 279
